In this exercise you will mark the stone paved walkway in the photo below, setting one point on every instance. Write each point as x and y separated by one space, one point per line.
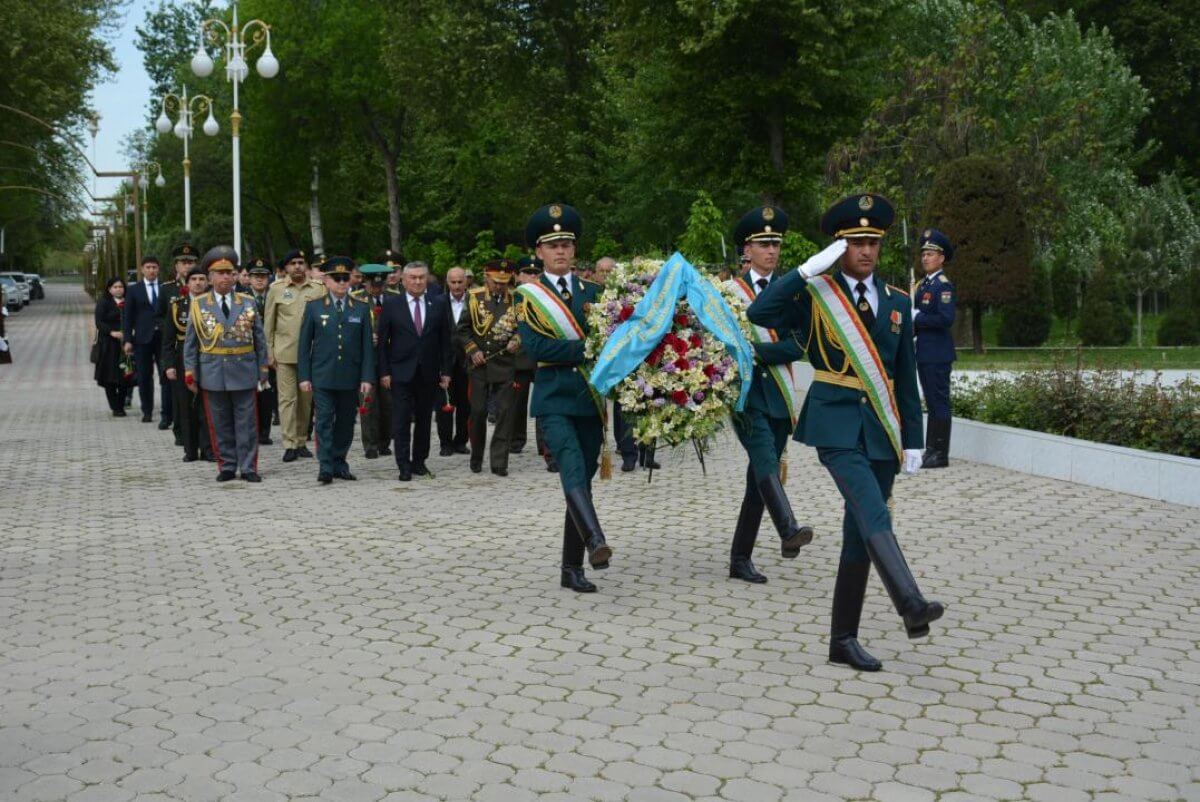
166 638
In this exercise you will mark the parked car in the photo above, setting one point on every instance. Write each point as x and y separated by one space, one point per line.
36 290
22 286
12 293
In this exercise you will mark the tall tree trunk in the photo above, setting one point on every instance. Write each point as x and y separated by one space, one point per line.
389 152
393 190
775 139
314 212
977 327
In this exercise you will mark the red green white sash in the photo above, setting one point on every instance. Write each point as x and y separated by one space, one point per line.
860 350
552 310
784 375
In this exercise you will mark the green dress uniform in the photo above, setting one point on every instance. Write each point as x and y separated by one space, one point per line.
840 419
488 327
563 401
337 355
376 422
765 423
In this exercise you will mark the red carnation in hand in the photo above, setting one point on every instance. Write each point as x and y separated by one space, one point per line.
626 313
681 319
362 410
710 370
682 363
680 397
696 341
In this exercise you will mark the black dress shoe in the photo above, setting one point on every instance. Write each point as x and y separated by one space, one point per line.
552 467
324 478
371 453
500 471
119 413
462 449
178 441
420 470
345 474
289 455
252 477
574 578
515 449
164 425
190 458
226 476
742 568
147 418
847 651
405 474
384 451
476 467
446 451
628 464
265 441
303 451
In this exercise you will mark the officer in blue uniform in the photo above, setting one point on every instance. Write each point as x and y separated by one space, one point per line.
933 321
764 425
563 401
864 427
336 364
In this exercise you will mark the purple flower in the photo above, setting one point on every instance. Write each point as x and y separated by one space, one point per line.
659 402
668 367
698 396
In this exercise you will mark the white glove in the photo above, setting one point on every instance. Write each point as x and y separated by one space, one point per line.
823 260
912 460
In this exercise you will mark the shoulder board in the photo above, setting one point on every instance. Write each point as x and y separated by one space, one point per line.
391 290
587 282
477 290
942 278
897 289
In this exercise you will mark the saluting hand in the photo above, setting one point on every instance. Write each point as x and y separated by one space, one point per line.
824 260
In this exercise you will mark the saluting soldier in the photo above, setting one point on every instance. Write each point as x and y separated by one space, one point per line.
337 365
934 322
862 412
487 334
772 405
285 311
225 359
552 330
376 422
189 411
259 273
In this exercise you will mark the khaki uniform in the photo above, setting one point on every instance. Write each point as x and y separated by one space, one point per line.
486 327
284 314
376 423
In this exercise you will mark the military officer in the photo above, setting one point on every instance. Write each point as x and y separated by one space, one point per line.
487 334
933 321
862 412
528 269
376 421
183 258
771 408
552 331
259 273
284 312
189 409
225 358
337 365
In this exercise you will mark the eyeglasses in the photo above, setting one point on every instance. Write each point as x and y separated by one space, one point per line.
340 277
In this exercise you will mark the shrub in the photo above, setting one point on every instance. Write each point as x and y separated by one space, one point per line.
1181 324
1104 319
1025 323
1104 406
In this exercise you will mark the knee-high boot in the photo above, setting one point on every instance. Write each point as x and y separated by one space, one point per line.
573 576
579 504
900 584
791 534
848 592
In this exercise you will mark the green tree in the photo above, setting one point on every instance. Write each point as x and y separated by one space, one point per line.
484 250
1025 322
975 200
1181 324
703 239
1104 319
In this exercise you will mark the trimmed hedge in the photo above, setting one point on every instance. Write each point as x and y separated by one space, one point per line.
1103 406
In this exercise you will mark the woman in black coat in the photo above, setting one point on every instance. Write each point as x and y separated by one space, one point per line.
110 372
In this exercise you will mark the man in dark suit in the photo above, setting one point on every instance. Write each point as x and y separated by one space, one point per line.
414 360
143 339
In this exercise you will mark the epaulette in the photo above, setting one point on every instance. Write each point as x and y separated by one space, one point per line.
897 289
942 278
477 290
595 284
392 290
359 295
241 296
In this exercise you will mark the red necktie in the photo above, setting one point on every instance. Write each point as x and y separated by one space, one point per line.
417 316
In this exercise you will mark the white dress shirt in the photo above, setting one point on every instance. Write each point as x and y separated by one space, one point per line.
456 306
755 276
151 291
226 298
871 294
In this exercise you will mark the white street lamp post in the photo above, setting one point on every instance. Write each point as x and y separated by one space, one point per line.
236 71
144 168
187 108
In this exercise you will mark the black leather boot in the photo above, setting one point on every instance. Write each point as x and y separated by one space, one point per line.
583 513
901 586
791 534
572 559
937 441
848 592
574 578
744 535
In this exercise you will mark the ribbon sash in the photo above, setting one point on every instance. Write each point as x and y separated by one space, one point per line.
784 375
861 351
552 309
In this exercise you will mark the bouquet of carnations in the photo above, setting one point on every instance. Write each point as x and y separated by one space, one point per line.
686 387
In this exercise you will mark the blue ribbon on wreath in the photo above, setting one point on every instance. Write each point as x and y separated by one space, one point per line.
633 340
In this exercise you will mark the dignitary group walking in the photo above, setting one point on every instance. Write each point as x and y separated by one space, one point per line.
326 343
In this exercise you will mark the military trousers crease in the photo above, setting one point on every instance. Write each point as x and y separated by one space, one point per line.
376 424
505 396
575 442
866 486
764 438
189 415
233 418
935 386
336 410
295 406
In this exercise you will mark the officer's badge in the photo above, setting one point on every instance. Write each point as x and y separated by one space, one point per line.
287 295
946 296
942 278
928 233
324 320
862 221
556 212
865 203
895 321
768 213
187 249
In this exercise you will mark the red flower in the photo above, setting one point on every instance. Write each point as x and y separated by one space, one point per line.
517 387
682 363
362 410
656 355
120 303
183 290
710 370
696 341
680 346
681 319
626 313
189 380
447 408
680 397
